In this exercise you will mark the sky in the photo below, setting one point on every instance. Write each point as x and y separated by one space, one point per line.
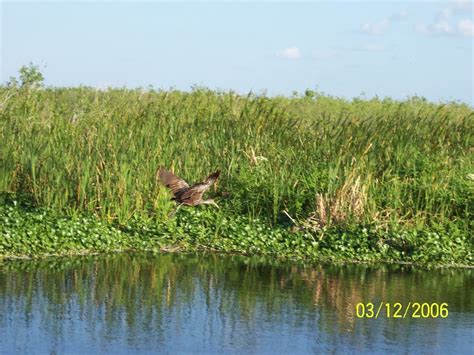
347 49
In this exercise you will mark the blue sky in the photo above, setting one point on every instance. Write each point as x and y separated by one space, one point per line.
347 49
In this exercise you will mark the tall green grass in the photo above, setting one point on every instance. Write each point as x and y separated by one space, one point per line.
369 161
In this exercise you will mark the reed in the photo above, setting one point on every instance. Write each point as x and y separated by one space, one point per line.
81 149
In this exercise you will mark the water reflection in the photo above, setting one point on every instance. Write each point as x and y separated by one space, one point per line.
208 303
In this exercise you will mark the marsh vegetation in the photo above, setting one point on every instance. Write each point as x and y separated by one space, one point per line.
397 175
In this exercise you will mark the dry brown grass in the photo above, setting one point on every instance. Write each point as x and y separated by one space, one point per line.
348 203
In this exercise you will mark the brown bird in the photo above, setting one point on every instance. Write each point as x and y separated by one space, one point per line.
182 193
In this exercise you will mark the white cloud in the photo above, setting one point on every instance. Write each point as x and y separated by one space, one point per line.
290 53
438 28
376 28
466 28
445 21
443 27
444 14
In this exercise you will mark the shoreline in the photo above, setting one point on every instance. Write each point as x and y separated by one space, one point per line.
12 258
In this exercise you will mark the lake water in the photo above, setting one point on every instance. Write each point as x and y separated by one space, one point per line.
175 303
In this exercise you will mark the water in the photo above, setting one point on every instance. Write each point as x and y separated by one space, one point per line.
143 303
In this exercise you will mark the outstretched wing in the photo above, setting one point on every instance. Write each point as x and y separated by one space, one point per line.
173 182
195 192
211 179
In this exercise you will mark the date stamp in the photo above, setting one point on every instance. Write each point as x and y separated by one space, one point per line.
399 310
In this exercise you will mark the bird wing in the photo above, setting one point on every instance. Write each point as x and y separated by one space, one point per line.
173 182
211 179
196 191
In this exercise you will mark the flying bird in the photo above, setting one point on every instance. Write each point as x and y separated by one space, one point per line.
182 193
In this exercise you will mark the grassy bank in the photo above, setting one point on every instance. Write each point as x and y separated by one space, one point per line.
313 176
